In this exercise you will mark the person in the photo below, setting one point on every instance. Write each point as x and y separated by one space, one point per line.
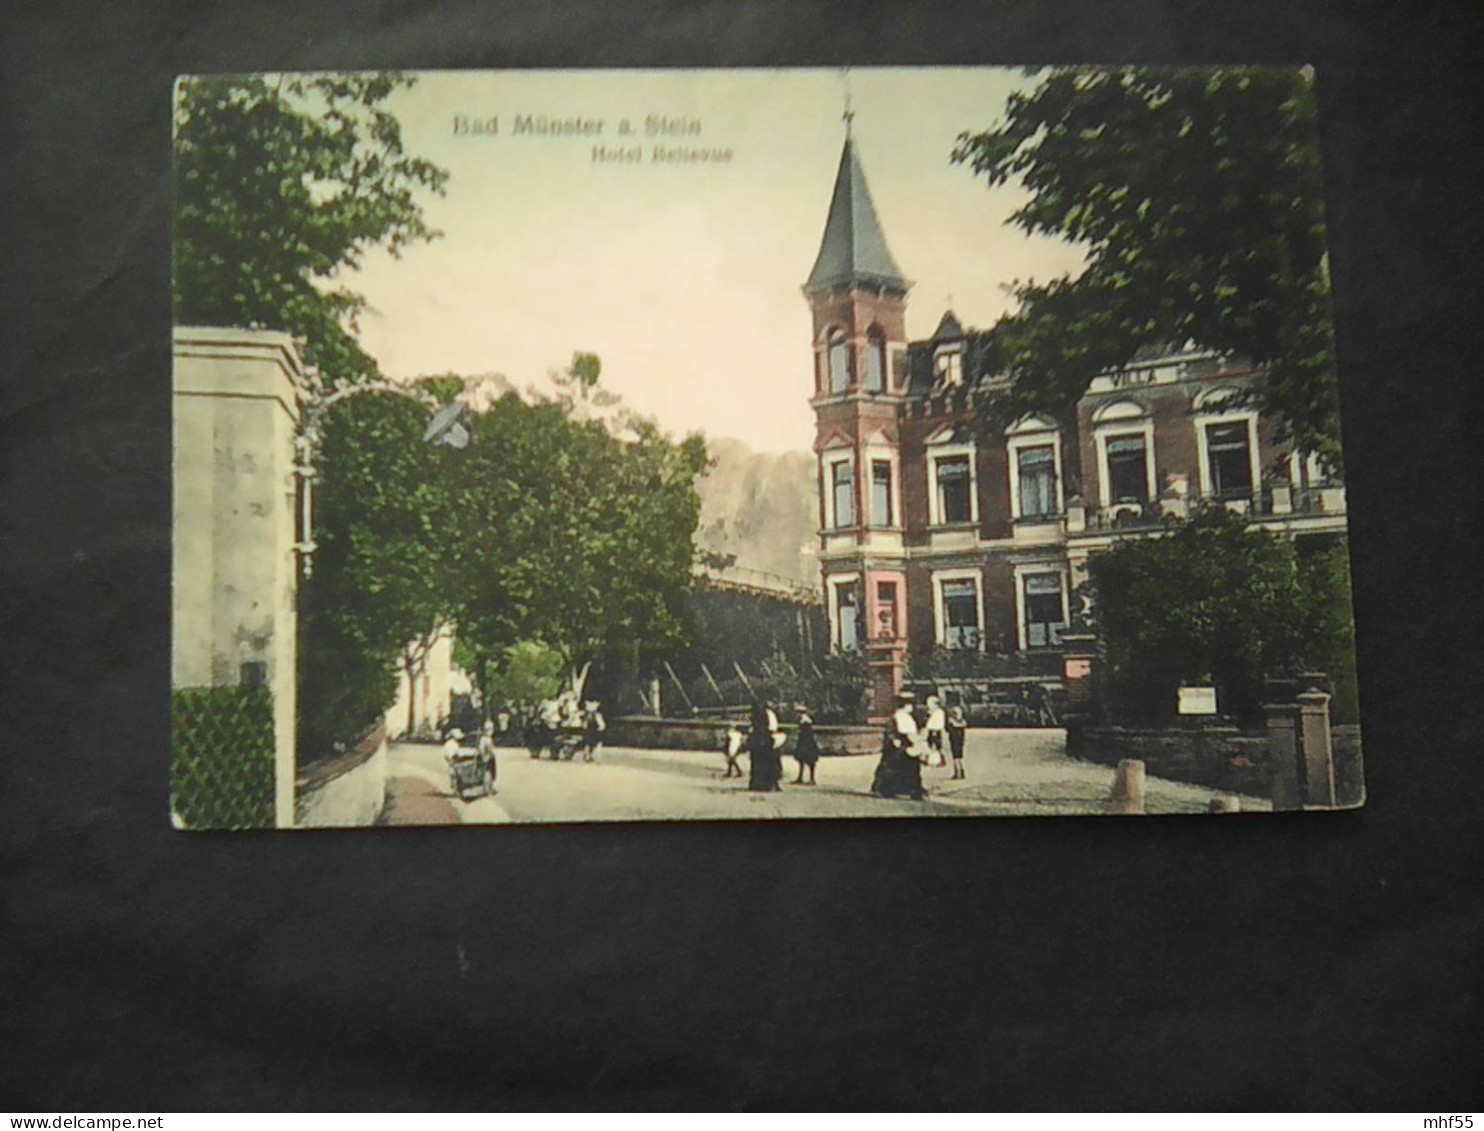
937 722
806 747
566 726
593 726
451 744
899 773
539 732
732 748
502 725
485 751
762 751
958 726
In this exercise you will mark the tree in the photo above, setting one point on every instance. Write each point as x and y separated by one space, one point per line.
282 184
1213 602
1197 194
382 586
572 537
524 675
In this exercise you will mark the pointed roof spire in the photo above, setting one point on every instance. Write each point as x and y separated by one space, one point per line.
949 329
854 249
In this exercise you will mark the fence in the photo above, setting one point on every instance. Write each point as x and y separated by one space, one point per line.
222 773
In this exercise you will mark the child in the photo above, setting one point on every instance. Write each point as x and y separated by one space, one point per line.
593 727
732 748
806 747
958 725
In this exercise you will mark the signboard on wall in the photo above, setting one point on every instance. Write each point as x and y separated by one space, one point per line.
1197 700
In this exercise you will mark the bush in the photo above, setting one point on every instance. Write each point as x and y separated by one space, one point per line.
1215 602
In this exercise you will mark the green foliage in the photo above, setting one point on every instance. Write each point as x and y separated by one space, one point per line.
572 537
526 674
1213 602
542 529
382 567
585 369
1197 195
750 628
1324 570
281 184
222 766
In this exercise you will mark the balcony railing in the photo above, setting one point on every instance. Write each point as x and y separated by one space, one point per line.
1276 501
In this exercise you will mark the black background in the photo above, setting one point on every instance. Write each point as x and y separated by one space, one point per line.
1324 961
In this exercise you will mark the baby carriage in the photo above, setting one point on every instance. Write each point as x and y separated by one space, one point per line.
468 770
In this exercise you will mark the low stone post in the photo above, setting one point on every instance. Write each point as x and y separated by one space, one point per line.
1282 498
1127 798
1318 754
1283 754
1076 515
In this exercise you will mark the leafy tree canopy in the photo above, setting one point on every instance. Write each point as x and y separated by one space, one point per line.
1197 195
1216 602
282 184
545 532
525 674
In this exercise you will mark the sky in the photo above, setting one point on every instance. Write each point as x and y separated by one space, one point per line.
685 277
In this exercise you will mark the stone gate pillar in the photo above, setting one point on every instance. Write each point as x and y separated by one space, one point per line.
238 396
885 663
1080 659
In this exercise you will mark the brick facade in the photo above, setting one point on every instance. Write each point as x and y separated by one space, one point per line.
1023 570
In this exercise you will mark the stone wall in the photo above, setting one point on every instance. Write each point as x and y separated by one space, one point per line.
1222 758
345 792
701 734
1349 775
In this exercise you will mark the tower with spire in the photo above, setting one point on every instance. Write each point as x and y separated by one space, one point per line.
858 297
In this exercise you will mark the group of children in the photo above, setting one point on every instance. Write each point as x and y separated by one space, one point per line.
564 726
764 740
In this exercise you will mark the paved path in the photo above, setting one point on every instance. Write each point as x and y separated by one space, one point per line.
1010 773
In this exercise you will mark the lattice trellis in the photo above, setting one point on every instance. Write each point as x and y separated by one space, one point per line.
222 775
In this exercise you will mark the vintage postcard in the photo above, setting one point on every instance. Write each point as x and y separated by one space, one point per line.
724 444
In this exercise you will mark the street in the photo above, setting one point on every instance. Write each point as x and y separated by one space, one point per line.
1010 773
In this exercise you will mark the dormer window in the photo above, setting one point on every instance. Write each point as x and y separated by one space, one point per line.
838 360
875 361
948 366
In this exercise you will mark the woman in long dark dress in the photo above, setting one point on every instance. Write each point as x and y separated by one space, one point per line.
806 747
899 773
762 754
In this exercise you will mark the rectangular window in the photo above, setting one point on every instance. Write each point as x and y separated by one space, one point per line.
847 616
886 609
1229 457
875 365
954 487
1045 618
1036 468
1128 471
948 367
839 364
880 493
960 614
843 477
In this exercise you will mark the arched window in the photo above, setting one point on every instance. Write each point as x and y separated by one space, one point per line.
876 361
1123 432
839 362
